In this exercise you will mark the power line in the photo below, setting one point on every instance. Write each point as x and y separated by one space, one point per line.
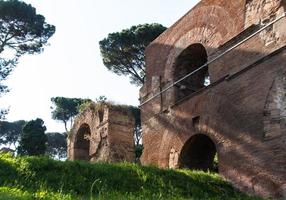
214 59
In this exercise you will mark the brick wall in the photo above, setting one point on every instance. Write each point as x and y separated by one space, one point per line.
108 135
243 110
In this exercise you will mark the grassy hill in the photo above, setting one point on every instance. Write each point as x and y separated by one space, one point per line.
43 178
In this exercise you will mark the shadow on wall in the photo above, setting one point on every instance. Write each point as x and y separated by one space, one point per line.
227 115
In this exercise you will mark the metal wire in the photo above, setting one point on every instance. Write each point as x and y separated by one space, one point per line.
214 59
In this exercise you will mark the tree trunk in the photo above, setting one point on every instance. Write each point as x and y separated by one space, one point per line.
66 126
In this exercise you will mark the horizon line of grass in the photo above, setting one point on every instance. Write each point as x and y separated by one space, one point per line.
82 180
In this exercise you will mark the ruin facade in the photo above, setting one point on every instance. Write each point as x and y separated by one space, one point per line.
102 132
232 103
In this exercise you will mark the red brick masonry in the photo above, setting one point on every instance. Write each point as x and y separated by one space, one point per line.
241 115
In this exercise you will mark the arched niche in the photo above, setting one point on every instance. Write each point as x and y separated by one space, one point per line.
82 143
191 59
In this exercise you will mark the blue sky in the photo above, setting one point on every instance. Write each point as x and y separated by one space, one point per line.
71 66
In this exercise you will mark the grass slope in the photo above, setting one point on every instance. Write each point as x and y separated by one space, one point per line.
43 178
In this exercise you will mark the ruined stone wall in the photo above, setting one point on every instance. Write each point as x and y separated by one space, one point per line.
107 135
123 129
242 111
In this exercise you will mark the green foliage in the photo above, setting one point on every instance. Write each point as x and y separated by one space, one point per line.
3 112
101 99
100 102
138 151
137 114
57 145
137 132
33 140
13 194
10 193
87 105
65 109
10 132
123 52
6 67
22 31
80 180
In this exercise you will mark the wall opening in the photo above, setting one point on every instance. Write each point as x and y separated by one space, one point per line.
100 115
82 143
199 153
196 122
189 60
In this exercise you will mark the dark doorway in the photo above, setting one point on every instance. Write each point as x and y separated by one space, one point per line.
198 153
100 115
82 143
188 61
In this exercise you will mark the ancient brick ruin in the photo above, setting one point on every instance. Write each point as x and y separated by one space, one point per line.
103 132
233 107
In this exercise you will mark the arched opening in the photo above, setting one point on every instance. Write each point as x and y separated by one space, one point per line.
188 61
82 143
198 153
100 115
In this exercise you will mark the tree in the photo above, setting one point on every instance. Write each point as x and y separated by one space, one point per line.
57 145
137 129
101 99
137 132
10 132
22 31
33 140
65 109
123 52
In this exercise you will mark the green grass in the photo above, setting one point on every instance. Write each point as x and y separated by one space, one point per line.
43 178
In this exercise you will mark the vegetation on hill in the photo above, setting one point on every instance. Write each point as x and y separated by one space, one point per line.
43 178
33 139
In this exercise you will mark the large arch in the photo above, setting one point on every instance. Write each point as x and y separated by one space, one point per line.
207 30
191 59
82 143
198 153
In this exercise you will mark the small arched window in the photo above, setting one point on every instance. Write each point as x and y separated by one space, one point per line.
188 61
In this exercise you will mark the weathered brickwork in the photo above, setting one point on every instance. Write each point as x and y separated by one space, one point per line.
275 109
102 133
241 115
